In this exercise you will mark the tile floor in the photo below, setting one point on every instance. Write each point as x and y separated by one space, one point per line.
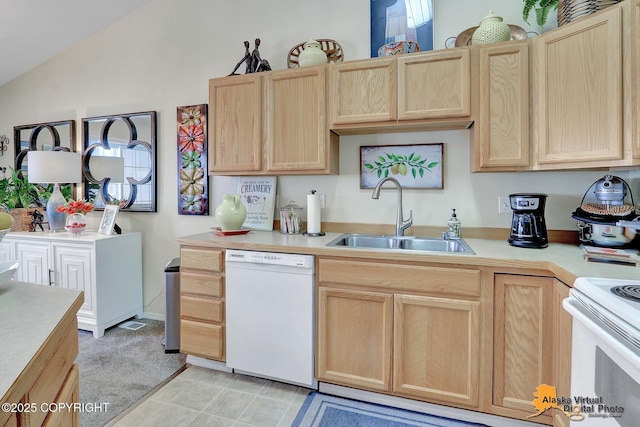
204 397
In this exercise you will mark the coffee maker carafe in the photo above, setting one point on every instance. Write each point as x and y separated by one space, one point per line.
528 228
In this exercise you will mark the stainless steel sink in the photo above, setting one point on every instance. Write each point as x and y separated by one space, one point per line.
407 243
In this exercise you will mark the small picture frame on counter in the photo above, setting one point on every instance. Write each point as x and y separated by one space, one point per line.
108 220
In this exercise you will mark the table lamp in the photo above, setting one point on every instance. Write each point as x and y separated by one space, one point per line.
54 167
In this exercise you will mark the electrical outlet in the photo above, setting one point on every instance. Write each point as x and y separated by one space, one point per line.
323 201
504 205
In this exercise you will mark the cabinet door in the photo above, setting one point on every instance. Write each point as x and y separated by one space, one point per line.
69 394
72 270
562 349
434 85
436 350
34 262
633 114
6 250
501 134
235 124
523 340
363 91
296 124
579 92
354 338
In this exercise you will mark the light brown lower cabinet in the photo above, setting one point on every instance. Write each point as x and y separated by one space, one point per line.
202 303
354 332
436 344
69 394
400 329
467 337
532 344
51 379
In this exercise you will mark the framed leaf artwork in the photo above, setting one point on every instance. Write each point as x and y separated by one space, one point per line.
193 174
414 166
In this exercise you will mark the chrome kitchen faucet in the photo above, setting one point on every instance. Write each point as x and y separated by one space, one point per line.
401 224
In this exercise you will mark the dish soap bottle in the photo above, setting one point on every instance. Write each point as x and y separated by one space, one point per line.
454 227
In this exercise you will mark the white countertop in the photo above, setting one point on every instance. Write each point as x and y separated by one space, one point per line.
28 315
564 260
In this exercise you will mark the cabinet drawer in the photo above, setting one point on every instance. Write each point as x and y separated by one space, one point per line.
69 394
52 378
419 278
201 308
201 259
202 284
202 339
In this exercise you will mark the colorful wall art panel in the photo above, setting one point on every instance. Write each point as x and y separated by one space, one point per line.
193 177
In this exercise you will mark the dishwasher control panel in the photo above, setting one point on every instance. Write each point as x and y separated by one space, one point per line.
275 258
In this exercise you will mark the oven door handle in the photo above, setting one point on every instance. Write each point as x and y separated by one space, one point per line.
605 333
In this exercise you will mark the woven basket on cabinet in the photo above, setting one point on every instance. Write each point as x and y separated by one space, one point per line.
570 10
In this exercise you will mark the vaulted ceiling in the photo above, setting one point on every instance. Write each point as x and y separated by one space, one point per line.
34 31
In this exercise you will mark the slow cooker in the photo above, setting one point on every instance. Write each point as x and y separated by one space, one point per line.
606 202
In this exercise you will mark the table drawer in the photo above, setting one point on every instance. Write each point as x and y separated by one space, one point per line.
201 308
202 284
201 259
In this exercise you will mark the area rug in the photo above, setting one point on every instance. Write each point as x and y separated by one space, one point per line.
321 410
120 368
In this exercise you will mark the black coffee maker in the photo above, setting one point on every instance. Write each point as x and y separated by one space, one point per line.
528 228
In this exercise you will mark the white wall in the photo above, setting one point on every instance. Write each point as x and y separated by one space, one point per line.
162 56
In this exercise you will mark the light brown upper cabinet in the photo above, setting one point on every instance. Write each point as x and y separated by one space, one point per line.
298 139
434 85
578 93
401 91
235 124
501 129
363 91
271 123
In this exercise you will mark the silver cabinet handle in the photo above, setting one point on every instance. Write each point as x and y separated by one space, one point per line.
51 282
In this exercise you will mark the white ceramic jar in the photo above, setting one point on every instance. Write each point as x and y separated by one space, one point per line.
491 30
312 54
231 213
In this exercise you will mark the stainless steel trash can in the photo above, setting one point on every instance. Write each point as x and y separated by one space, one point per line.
172 306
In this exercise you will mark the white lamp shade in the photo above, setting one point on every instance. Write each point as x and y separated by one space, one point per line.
107 167
54 167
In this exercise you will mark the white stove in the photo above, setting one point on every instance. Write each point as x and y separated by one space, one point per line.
605 365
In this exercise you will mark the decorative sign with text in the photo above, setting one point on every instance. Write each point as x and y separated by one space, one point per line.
258 195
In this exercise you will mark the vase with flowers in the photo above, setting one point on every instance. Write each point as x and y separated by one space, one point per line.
76 210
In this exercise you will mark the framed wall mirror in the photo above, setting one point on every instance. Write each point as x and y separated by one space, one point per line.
119 163
42 137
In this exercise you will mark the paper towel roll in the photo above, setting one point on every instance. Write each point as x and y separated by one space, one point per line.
313 213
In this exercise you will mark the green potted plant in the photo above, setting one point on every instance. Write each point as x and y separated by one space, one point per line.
542 9
17 192
17 195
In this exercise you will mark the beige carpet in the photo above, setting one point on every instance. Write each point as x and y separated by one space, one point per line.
121 367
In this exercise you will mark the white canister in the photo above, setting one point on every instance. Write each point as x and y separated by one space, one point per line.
312 54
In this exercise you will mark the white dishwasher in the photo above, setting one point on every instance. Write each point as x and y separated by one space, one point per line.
270 307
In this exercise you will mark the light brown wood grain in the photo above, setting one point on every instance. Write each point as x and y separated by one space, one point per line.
235 124
354 335
523 341
434 84
436 349
501 132
363 91
192 258
579 100
202 339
